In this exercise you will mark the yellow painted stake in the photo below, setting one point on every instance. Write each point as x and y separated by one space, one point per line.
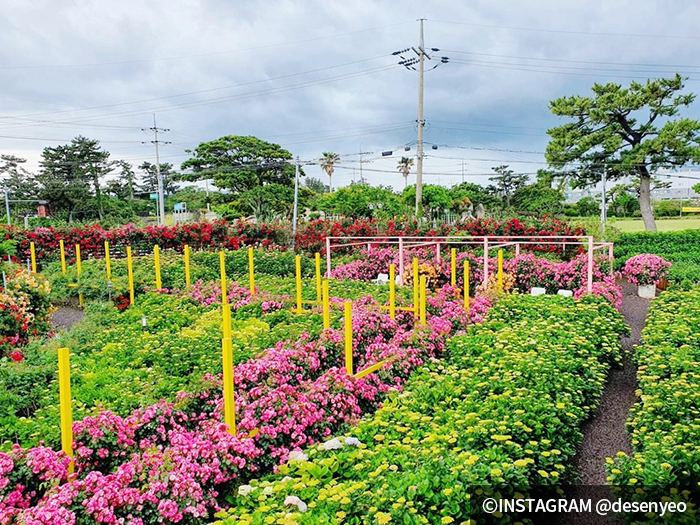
500 269
326 306
251 271
298 273
222 264
108 263
347 306
318 277
226 321
229 399
423 300
187 266
416 294
466 286
79 267
63 257
65 405
32 253
156 263
392 291
130 269
453 266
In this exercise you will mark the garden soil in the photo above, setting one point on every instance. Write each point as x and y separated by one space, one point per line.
66 316
605 434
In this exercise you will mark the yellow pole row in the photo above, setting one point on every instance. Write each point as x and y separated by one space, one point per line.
347 307
500 270
392 291
297 261
326 306
65 402
108 263
466 286
130 269
251 271
453 267
32 253
187 266
222 264
156 262
79 267
63 257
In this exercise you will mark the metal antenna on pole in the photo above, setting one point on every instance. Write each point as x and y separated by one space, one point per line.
159 177
409 63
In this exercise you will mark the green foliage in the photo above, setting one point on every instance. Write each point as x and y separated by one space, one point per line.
505 409
362 201
682 248
539 198
626 131
240 163
663 423
508 182
436 199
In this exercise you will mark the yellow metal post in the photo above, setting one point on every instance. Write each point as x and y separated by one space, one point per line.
187 266
156 262
326 306
453 266
79 267
229 399
392 291
130 269
416 294
222 264
63 257
423 300
500 269
108 262
226 321
298 274
65 404
466 286
347 307
318 277
251 271
32 254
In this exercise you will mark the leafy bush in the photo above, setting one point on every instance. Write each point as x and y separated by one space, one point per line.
680 248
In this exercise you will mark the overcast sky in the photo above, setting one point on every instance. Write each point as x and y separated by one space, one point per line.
319 76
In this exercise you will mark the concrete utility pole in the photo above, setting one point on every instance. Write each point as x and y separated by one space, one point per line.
603 209
161 196
7 207
421 125
409 63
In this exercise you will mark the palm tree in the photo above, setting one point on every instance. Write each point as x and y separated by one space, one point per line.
405 167
327 162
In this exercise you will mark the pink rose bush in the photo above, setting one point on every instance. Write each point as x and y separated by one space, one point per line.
174 462
645 269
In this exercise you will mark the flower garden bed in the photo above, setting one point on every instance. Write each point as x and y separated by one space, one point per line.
504 409
664 423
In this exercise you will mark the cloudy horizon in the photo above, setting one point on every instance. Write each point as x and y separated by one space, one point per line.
314 77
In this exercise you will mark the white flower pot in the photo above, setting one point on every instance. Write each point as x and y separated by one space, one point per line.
647 291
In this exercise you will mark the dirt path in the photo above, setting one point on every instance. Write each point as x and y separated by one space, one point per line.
605 434
66 316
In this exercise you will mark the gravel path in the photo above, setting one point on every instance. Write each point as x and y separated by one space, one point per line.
605 434
66 316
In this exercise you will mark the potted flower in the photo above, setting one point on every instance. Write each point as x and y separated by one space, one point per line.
646 271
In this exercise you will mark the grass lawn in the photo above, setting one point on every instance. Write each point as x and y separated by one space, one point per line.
662 225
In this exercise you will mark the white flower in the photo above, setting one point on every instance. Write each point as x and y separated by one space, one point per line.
293 500
268 490
244 490
352 442
333 444
297 455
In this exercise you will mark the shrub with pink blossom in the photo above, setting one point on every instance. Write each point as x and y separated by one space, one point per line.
645 269
606 288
